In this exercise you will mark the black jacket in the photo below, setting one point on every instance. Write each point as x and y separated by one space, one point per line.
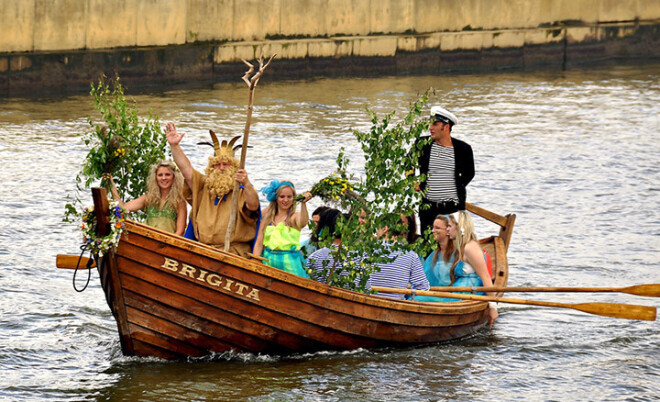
463 169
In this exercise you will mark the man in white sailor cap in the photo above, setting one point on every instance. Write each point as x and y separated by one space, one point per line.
448 164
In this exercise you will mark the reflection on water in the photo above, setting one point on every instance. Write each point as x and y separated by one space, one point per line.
573 154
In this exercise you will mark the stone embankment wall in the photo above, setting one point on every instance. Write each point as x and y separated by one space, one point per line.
56 43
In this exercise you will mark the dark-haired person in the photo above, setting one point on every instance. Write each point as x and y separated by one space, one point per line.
448 164
320 262
405 269
308 246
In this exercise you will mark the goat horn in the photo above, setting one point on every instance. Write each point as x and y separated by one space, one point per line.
216 145
233 140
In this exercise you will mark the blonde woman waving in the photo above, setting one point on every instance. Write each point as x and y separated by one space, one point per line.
163 203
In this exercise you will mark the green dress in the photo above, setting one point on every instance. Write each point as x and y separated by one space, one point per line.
161 218
282 249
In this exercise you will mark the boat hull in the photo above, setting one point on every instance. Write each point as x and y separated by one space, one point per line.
174 298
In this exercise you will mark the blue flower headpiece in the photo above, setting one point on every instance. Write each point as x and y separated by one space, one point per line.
271 190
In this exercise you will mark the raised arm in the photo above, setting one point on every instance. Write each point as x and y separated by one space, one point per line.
180 158
301 218
113 190
131 206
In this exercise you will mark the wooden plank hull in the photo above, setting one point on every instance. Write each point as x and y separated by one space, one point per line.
174 298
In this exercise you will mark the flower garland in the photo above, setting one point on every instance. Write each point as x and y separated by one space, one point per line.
101 245
332 188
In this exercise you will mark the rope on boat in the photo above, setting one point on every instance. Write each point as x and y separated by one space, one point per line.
83 248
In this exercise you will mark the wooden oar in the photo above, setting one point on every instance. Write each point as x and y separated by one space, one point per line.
650 290
71 262
627 311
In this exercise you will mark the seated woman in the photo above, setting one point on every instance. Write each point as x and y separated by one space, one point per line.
163 203
438 264
278 237
470 268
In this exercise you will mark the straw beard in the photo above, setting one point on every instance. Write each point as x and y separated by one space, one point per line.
219 182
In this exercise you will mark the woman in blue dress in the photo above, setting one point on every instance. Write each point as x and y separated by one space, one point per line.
438 264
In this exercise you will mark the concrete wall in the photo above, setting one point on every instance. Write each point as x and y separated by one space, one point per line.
51 25
66 44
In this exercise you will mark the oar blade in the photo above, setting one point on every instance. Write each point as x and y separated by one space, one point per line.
627 311
72 262
650 290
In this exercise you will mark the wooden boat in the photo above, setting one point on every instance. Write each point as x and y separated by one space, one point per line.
174 298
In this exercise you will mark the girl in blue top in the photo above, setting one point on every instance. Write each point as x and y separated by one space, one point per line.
438 264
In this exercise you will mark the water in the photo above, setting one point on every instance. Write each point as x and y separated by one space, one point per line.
574 154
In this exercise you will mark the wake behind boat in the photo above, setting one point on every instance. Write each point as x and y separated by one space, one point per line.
174 298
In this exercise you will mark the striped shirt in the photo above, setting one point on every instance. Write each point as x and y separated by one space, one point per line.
405 269
321 262
441 181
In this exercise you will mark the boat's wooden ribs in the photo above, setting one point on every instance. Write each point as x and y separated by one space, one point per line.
211 310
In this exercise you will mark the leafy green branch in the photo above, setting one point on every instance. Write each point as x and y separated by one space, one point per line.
386 191
121 146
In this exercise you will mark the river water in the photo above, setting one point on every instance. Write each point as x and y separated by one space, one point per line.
574 154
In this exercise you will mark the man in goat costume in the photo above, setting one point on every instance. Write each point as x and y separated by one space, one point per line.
212 194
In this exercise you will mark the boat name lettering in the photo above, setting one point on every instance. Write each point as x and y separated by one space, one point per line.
211 278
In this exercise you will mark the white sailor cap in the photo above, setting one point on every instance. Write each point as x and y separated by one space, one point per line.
438 113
